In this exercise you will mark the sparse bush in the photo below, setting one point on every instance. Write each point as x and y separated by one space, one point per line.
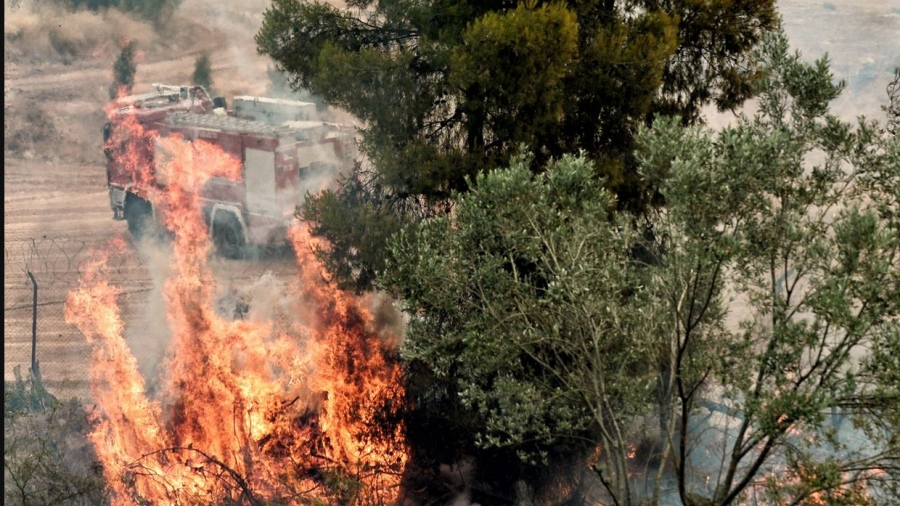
47 458
27 128
123 71
203 72
67 48
21 396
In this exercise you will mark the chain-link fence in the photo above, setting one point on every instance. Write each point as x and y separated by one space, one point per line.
38 276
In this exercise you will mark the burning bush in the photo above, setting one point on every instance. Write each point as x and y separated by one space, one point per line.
292 403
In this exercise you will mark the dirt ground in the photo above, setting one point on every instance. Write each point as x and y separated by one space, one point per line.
56 208
57 68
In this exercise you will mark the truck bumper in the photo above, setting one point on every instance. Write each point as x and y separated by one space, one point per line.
117 202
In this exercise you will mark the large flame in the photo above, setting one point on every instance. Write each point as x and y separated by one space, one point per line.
291 410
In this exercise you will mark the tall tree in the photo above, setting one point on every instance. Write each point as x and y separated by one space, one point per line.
447 89
768 310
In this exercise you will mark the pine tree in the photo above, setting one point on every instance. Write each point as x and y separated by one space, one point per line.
448 89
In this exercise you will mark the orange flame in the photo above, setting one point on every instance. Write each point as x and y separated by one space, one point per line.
249 410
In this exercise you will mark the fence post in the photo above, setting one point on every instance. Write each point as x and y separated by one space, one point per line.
35 367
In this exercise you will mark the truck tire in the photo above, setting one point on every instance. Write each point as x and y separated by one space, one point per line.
228 237
139 215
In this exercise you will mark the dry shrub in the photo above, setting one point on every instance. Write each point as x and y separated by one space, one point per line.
47 456
28 129
45 32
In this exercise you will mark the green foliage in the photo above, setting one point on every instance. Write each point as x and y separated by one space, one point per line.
796 213
768 288
521 307
512 65
21 396
202 75
358 225
124 70
448 89
152 10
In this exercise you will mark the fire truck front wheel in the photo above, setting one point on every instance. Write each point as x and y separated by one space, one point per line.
139 215
228 237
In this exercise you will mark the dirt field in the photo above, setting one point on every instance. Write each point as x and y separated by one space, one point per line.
55 203
56 207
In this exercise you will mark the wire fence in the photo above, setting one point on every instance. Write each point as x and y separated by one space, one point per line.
61 352
38 275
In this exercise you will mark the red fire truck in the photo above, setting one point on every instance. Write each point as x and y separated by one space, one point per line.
279 144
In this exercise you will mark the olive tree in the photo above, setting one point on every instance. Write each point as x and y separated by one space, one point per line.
792 215
758 309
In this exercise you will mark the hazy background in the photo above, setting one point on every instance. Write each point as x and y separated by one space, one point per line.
862 40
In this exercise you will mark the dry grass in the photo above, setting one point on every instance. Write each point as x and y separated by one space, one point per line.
36 32
28 129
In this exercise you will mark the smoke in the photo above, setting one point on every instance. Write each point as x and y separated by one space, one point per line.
148 333
237 68
387 321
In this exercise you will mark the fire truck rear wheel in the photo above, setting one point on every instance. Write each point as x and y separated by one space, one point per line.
228 237
139 215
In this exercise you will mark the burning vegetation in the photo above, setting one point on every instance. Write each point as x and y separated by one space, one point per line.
293 409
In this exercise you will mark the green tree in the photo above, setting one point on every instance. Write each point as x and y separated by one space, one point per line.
765 308
124 70
524 310
202 75
447 89
795 214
